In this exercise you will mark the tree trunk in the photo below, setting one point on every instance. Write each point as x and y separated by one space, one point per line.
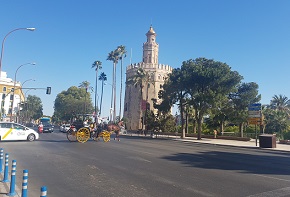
114 112
121 87
222 127
101 97
241 128
182 118
186 121
112 96
199 119
194 126
96 104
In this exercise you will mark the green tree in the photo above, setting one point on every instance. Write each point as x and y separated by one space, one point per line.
103 78
86 86
97 65
174 92
122 54
276 121
32 108
280 103
71 102
208 81
114 57
247 93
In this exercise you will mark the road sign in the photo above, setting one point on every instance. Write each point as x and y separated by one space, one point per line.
255 122
254 119
254 114
254 107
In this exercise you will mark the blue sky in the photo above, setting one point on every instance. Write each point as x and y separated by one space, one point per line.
251 36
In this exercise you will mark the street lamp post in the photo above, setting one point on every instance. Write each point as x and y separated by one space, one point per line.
11 112
2 48
23 85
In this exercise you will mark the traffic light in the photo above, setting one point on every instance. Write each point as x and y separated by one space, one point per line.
48 90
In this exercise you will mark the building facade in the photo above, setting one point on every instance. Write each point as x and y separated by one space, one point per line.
136 97
6 95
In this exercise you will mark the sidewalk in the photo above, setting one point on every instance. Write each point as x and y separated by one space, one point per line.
223 142
5 187
249 144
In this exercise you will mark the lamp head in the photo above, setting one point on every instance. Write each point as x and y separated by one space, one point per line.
30 28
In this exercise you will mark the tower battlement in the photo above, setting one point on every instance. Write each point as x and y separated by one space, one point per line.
160 67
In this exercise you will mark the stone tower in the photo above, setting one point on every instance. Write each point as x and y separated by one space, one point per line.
135 104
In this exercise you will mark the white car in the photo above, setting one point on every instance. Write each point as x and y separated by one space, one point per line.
15 131
64 127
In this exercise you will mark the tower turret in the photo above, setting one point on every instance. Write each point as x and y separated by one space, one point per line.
150 48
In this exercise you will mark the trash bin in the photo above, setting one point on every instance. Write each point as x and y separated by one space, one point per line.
267 141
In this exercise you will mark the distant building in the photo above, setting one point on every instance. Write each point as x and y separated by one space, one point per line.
133 103
6 95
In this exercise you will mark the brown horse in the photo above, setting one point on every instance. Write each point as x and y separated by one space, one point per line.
115 128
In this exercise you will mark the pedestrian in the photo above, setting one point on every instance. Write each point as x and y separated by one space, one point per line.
40 128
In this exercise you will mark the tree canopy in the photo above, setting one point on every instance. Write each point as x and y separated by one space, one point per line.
72 101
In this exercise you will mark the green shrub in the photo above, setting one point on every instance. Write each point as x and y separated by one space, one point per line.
234 129
286 135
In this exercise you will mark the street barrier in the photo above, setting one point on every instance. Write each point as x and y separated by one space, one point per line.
13 179
6 180
1 160
24 183
43 190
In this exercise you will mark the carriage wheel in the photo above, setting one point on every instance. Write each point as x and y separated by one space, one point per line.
83 134
106 136
71 135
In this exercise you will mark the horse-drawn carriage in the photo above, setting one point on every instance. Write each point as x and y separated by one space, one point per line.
82 131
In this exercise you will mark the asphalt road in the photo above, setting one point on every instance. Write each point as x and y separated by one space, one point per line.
138 166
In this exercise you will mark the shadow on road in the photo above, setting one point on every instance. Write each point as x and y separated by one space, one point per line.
246 163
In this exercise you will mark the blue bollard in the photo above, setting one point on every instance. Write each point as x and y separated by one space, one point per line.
24 183
5 180
13 179
43 191
1 160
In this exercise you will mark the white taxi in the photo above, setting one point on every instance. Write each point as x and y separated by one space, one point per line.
15 131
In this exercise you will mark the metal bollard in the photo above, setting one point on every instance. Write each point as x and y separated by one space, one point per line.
1 160
13 179
5 180
43 191
24 183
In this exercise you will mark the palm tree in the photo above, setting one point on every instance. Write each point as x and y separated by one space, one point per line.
97 65
280 103
86 85
122 54
103 78
114 57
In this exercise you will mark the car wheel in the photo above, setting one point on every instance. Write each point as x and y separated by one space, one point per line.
31 137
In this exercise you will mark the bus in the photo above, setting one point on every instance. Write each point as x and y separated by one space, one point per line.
45 120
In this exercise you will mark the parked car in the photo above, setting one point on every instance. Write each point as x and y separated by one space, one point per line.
64 127
15 131
47 128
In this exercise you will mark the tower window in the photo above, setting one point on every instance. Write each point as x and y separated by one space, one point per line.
4 89
161 86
